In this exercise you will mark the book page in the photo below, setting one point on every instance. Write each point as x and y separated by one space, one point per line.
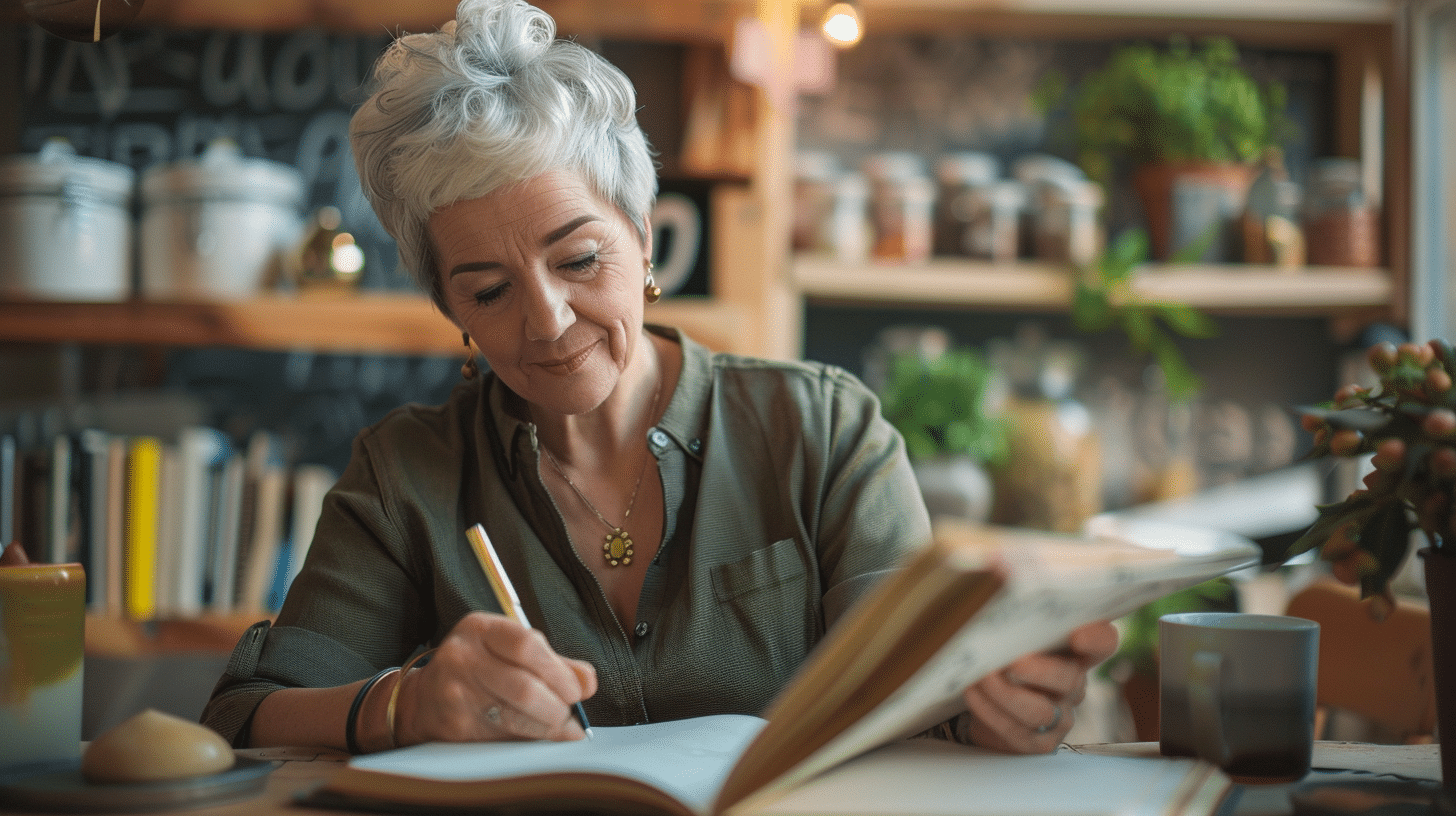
1054 583
933 777
686 760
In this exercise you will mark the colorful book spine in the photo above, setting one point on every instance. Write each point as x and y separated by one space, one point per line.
144 476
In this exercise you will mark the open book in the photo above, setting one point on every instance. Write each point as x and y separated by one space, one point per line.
973 600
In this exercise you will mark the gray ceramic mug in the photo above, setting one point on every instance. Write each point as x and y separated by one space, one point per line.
1239 691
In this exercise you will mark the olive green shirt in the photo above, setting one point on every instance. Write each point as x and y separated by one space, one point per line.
786 495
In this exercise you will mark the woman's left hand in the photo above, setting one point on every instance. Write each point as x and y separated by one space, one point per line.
1026 708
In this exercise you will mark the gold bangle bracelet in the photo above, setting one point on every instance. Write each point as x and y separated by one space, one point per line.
394 692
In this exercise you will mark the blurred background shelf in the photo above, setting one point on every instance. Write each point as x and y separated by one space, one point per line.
1229 289
363 323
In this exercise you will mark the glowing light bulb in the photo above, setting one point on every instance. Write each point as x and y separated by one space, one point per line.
842 25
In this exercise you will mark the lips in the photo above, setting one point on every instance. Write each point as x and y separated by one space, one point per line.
566 365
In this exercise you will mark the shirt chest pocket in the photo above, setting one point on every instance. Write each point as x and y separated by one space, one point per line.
770 604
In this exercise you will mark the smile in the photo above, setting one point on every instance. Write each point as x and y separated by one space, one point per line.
568 364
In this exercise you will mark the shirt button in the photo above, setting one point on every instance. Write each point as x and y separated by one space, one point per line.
658 438
695 445
641 629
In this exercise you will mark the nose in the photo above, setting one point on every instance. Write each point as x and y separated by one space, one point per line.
548 310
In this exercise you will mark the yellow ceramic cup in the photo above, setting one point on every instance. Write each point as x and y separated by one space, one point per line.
42 640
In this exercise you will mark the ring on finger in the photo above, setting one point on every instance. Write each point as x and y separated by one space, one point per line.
493 714
1056 721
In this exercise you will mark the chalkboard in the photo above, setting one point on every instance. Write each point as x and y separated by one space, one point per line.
147 96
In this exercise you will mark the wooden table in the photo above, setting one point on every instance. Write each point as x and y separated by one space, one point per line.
301 769
1332 760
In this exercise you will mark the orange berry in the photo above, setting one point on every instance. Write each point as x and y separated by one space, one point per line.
1310 422
1345 441
1440 423
1347 394
1338 546
1381 356
1389 454
1438 381
1443 462
1419 353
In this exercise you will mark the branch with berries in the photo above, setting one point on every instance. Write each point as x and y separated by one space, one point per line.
1407 424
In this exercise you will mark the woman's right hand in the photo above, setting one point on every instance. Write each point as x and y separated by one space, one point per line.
492 679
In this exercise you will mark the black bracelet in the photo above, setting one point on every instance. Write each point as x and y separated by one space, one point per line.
351 738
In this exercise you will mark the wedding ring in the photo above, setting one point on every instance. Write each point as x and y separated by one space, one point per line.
1056 720
494 715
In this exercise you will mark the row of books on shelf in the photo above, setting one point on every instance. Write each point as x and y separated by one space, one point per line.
176 527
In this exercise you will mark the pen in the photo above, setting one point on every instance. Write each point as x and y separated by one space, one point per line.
510 602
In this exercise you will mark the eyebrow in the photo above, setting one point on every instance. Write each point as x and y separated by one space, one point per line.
551 238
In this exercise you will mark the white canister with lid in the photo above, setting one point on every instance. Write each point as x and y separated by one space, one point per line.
215 227
65 226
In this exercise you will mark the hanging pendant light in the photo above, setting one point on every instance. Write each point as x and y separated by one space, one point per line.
843 24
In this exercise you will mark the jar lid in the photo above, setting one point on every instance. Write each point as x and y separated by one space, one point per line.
893 166
1007 194
1073 192
967 168
223 173
57 170
815 165
1038 168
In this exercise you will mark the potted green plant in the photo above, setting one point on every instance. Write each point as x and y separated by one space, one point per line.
1184 112
1407 425
1103 299
942 403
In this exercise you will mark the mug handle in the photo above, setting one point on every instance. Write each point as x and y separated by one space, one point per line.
1205 693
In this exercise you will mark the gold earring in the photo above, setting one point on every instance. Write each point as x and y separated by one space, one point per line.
469 369
651 290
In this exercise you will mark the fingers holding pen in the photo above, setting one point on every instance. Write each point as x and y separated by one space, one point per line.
493 679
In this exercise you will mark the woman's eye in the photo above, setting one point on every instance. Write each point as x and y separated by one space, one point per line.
583 263
491 295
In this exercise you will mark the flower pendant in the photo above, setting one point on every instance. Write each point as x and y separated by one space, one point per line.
618 548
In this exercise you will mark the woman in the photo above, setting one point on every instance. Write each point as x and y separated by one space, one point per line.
682 527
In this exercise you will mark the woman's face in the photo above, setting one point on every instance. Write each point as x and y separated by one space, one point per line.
546 277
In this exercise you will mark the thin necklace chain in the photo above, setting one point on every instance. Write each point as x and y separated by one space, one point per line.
618 545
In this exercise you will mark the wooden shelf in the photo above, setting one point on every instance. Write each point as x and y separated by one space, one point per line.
360 324
1230 288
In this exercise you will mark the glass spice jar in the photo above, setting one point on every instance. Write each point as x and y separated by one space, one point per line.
1341 227
959 177
902 198
814 174
994 214
1066 229
830 208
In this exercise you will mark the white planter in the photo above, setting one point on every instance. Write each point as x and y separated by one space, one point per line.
955 486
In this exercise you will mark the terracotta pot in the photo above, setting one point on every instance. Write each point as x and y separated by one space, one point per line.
1440 573
1206 192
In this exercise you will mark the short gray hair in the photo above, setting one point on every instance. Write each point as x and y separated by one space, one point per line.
491 99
